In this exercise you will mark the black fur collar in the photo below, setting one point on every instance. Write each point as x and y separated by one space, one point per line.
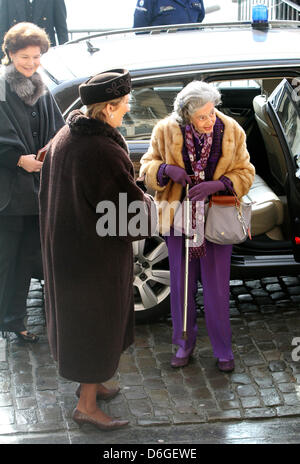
80 124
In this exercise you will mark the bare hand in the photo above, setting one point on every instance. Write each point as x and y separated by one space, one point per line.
30 164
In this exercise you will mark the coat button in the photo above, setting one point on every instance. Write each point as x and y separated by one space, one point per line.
35 134
33 114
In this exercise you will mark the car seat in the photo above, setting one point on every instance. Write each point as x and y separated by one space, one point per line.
147 99
267 210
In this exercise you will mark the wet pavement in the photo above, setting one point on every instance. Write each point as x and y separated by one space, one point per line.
258 403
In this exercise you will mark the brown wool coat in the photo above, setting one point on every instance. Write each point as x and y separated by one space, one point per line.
166 147
88 279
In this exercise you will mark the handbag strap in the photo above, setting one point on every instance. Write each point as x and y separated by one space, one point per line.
224 200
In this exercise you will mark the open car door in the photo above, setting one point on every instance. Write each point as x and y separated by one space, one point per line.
284 111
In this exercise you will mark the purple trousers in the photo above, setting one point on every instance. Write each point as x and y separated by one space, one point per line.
213 270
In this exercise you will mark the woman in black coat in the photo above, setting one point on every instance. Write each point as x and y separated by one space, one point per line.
29 118
87 189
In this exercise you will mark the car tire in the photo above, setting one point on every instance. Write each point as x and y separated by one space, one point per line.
151 283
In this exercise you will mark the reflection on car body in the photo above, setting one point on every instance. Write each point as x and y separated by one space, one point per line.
255 72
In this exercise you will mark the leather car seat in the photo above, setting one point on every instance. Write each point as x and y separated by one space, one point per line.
267 210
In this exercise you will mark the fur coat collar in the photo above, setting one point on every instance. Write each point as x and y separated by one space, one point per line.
80 124
28 89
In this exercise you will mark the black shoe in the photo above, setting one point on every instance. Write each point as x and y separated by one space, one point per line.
28 337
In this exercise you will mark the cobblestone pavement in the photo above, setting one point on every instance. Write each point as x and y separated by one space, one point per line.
265 318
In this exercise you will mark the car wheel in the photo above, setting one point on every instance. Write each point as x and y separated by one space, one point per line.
151 283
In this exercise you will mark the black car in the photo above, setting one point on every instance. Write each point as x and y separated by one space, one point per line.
258 74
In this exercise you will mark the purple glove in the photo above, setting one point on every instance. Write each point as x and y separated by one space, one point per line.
204 189
177 174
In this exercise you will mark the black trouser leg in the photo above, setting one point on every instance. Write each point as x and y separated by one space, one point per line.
21 260
9 245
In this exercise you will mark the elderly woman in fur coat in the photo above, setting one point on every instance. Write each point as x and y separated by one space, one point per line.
29 118
200 146
88 264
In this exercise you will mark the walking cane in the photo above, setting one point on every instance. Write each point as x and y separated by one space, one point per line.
186 276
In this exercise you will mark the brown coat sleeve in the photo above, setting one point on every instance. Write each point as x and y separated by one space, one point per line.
165 147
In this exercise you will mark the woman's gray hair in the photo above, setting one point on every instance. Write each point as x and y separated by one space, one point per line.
192 97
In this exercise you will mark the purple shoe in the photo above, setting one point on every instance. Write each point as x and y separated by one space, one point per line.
225 366
181 362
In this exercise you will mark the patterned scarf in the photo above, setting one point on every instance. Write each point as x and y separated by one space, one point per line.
197 243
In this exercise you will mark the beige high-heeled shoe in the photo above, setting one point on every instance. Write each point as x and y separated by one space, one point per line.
80 418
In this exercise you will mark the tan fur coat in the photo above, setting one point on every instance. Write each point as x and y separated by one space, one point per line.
166 147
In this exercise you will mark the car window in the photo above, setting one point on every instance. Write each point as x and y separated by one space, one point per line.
148 106
288 112
151 104
238 84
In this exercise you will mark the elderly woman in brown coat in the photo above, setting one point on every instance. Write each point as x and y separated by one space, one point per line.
200 146
88 272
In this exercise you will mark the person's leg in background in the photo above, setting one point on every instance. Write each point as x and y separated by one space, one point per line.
9 245
25 244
